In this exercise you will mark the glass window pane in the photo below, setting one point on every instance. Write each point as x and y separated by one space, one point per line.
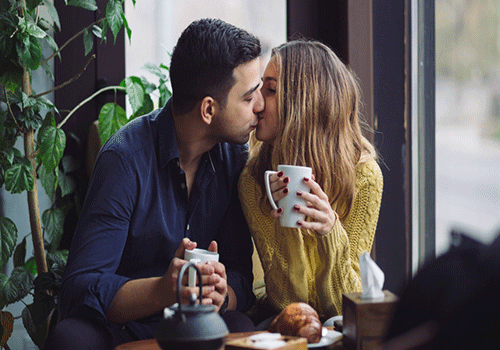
467 119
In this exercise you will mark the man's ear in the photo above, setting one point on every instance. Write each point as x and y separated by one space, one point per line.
209 108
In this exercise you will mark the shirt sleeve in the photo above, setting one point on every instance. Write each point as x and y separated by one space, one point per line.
90 280
236 249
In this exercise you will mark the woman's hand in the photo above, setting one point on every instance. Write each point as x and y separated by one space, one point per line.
318 208
278 189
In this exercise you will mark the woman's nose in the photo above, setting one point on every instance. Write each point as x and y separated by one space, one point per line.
259 103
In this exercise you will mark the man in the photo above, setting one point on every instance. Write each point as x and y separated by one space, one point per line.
164 183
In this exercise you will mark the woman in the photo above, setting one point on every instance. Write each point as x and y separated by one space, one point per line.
311 118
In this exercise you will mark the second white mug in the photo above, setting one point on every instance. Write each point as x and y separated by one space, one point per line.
296 174
198 255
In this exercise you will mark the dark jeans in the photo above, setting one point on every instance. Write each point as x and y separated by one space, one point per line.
81 333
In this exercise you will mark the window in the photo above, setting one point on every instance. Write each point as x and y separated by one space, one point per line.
467 119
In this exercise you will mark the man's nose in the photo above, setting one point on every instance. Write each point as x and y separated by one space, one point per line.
259 102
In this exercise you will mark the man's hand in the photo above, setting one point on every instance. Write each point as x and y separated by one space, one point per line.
169 280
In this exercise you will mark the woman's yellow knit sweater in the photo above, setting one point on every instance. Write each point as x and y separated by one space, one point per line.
300 265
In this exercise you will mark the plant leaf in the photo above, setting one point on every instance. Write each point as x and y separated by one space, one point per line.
34 30
88 41
48 70
29 51
111 118
31 265
49 181
165 94
127 28
51 10
8 235
53 141
53 45
148 87
32 4
53 222
7 290
147 107
114 15
20 254
19 178
8 153
2 176
135 93
97 31
66 183
7 326
104 30
23 280
70 164
49 120
86 4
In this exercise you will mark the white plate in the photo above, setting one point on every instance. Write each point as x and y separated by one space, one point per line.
329 338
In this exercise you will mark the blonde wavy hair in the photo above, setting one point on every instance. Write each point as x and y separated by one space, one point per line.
318 121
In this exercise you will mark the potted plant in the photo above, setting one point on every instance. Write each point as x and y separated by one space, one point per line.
23 33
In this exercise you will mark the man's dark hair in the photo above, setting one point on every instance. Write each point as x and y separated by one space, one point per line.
203 61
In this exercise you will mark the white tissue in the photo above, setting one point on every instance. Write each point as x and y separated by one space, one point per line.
372 278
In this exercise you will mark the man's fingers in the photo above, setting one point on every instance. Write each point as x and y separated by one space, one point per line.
186 243
213 247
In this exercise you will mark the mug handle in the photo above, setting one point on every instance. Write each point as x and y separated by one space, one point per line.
268 188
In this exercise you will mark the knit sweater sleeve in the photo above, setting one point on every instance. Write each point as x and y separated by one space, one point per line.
340 248
361 222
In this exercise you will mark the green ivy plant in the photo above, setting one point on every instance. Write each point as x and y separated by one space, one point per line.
29 115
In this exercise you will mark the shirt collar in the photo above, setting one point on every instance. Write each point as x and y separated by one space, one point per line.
168 142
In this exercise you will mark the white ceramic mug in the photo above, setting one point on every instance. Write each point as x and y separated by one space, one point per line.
198 255
296 174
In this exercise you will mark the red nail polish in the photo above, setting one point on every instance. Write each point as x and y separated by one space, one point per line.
296 207
299 193
299 223
285 190
286 179
306 179
280 174
280 210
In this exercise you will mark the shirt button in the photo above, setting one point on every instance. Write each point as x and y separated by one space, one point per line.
183 185
187 228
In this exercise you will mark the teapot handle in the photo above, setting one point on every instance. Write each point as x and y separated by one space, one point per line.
181 274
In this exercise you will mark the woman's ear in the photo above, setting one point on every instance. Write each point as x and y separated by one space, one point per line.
209 108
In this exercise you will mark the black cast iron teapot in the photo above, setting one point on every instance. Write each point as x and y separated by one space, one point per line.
191 327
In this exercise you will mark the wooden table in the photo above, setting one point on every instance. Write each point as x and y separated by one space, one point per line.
151 344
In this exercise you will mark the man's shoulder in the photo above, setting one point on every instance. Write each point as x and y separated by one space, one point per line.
135 135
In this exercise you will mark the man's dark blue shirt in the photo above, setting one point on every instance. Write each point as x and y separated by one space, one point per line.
137 212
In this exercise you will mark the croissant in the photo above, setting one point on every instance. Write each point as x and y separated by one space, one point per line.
298 320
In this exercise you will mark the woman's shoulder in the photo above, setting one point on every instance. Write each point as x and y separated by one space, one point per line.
369 172
246 179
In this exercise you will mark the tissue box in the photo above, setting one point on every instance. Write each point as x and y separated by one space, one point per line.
365 320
